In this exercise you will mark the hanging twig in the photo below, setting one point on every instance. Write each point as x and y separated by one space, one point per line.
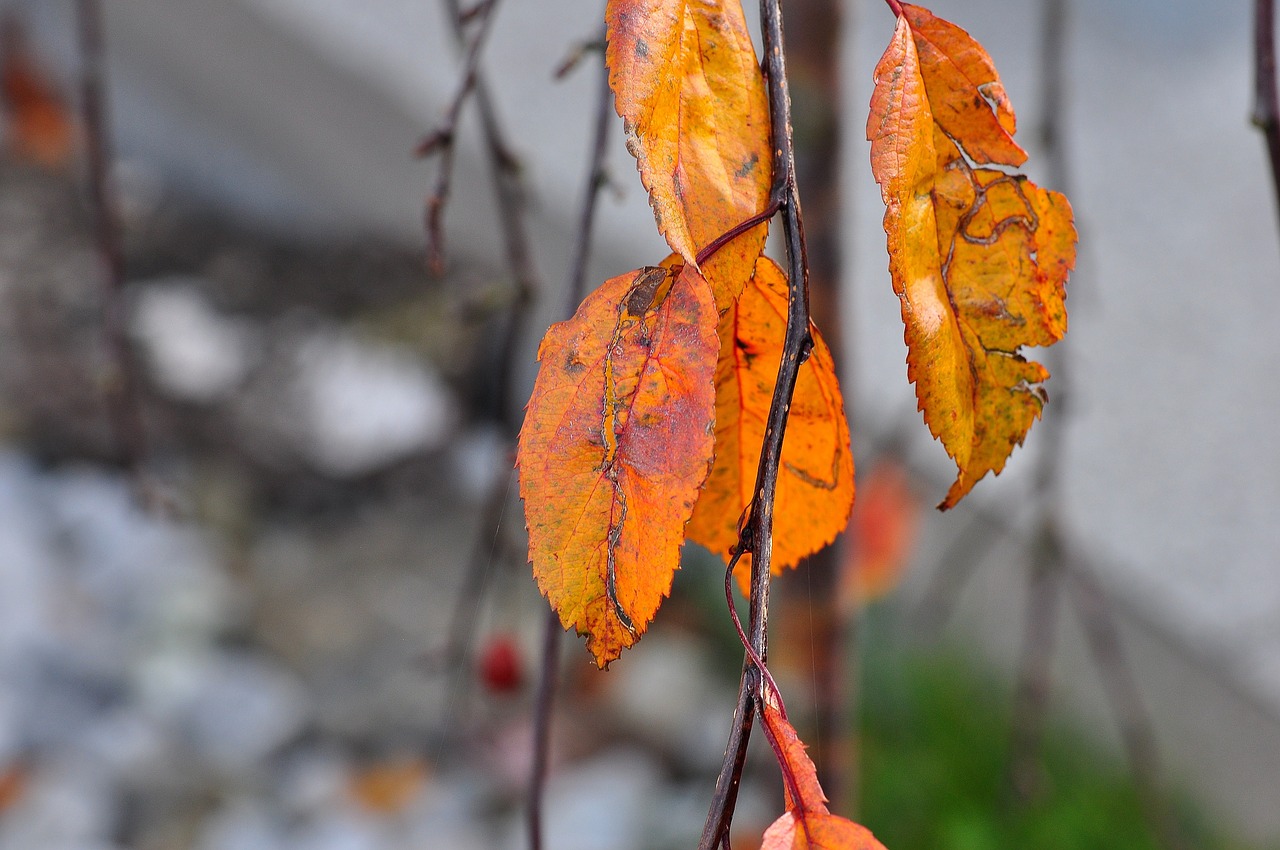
124 396
1031 698
512 209
575 290
547 683
1137 732
441 142
757 531
1266 101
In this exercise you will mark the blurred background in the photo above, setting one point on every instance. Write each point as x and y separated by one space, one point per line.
264 585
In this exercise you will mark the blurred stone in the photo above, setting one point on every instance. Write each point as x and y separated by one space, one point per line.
366 404
193 352
602 804
236 709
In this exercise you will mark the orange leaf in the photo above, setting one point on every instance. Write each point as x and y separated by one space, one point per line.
616 442
692 97
40 129
822 831
884 523
815 487
979 257
807 823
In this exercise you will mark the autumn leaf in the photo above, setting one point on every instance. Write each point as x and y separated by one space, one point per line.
617 440
40 128
815 483
807 822
689 89
979 256
883 530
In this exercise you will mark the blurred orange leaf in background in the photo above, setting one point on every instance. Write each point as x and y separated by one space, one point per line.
40 128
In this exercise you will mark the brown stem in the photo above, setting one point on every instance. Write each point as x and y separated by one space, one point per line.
895 7
757 535
550 676
1266 102
576 284
124 388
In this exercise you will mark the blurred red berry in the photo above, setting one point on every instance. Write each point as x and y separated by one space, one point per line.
501 667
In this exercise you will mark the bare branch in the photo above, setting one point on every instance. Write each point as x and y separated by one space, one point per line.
1266 101
124 395
547 682
441 141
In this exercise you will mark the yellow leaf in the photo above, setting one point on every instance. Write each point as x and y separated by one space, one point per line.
979 256
689 88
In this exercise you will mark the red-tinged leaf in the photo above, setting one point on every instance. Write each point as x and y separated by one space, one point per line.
979 257
815 483
884 524
617 440
689 88
818 831
807 823
40 128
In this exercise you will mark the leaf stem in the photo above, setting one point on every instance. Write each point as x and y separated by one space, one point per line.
757 535
1266 101
895 7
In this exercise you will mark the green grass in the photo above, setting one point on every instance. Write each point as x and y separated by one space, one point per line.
935 748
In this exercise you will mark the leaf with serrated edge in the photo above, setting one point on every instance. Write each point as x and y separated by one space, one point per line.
617 440
689 88
807 822
979 257
815 482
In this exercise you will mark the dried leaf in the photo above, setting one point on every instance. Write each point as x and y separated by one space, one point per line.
815 483
616 442
807 823
689 88
40 128
979 257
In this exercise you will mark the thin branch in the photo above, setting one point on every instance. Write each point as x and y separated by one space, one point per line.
575 287
547 683
441 142
1266 101
757 533
124 387
597 177
1035 680
1137 732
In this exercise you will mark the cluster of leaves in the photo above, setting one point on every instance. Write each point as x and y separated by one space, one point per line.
648 415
